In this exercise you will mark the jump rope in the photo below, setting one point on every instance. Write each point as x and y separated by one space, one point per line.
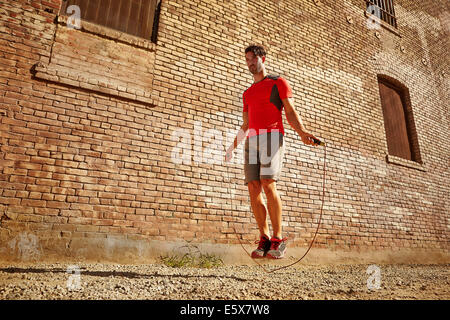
317 142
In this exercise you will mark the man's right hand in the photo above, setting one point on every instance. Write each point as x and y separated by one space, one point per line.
228 155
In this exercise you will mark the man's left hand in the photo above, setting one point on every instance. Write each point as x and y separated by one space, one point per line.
307 138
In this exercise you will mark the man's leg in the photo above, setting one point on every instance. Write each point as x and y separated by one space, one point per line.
271 154
260 213
278 245
274 205
258 207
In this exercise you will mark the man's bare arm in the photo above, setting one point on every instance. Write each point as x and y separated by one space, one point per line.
239 137
295 121
242 131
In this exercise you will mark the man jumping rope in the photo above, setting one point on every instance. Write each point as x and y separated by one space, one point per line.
264 147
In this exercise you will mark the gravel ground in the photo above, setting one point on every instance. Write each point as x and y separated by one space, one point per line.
238 282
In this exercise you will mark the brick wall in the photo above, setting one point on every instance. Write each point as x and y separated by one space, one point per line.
105 136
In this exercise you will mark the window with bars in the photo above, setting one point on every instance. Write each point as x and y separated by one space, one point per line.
382 9
401 133
136 17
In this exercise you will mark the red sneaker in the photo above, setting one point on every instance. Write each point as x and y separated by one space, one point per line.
277 248
263 246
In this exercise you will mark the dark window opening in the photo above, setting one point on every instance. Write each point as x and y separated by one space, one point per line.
136 17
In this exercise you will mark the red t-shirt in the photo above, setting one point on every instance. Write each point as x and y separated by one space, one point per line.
263 103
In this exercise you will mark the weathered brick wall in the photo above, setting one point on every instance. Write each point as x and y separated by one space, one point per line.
93 124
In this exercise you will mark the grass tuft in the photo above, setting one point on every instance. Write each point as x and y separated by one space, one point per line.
193 258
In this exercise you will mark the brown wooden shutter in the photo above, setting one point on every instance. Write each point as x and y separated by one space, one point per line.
135 17
395 122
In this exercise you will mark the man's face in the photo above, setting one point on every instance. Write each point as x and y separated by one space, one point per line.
254 63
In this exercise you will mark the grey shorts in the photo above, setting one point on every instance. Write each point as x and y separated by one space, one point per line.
263 156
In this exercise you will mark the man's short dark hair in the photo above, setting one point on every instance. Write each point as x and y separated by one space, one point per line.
257 50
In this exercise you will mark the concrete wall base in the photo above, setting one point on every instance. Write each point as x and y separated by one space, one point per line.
26 247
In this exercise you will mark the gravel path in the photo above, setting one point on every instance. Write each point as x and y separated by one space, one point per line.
156 281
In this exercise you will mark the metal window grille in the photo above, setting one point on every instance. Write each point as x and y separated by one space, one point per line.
136 17
383 9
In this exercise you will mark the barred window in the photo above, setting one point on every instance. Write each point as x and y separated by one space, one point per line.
136 17
382 9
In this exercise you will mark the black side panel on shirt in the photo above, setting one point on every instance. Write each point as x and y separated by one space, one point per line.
275 97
